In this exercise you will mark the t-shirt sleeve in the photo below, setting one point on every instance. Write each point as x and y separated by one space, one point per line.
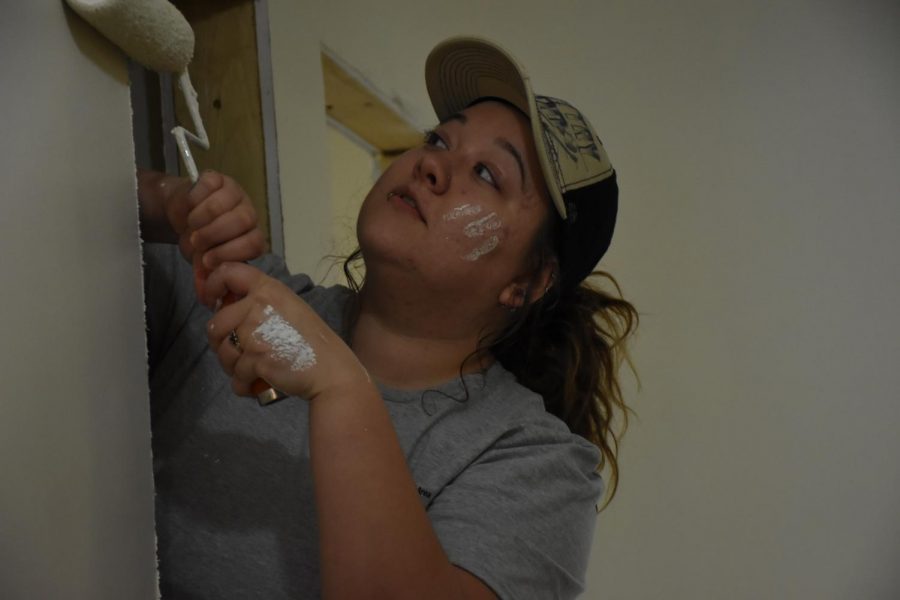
521 517
169 298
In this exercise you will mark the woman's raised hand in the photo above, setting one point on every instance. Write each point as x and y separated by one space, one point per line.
214 219
221 224
272 334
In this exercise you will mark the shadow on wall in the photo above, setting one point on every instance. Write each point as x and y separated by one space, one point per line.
94 46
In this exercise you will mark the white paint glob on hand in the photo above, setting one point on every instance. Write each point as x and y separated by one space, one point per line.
286 342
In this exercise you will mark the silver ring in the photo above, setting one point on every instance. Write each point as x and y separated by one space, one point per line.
233 338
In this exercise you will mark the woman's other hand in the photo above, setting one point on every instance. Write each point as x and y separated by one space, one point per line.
214 219
276 337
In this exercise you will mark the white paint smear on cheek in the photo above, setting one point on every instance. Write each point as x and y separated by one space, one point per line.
286 342
488 245
463 210
479 227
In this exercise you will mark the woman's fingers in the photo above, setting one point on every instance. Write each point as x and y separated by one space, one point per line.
229 353
230 333
229 318
221 224
224 227
227 241
235 278
214 195
276 337
208 184
244 369
240 353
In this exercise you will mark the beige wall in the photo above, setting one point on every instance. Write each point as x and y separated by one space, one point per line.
76 487
300 124
352 169
757 146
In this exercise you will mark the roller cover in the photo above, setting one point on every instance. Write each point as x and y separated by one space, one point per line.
152 32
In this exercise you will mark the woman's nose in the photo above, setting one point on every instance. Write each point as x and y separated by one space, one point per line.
434 172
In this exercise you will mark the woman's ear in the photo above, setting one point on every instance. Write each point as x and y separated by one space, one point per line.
528 288
512 297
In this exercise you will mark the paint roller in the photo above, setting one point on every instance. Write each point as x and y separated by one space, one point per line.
156 34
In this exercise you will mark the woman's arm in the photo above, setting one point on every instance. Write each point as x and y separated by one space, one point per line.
155 191
376 540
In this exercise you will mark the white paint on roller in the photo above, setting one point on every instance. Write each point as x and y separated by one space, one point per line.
155 34
182 135
286 342
464 210
152 32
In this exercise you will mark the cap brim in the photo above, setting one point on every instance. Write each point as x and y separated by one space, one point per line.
461 70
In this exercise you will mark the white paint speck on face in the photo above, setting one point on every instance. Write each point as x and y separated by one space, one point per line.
286 342
479 227
463 210
488 245
488 225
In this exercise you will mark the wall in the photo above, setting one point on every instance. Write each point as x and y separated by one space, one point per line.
757 145
300 123
353 168
76 499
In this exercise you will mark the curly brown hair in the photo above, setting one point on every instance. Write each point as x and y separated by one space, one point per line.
568 346
570 354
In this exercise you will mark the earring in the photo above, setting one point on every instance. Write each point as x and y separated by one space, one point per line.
550 282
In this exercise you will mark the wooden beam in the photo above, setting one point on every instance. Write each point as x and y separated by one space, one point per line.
225 73
357 107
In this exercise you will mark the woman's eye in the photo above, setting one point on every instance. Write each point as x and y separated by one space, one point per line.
485 173
433 139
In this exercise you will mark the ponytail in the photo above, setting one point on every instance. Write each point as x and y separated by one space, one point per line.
568 346
569 349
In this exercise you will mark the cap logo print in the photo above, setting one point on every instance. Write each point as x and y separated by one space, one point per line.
577 155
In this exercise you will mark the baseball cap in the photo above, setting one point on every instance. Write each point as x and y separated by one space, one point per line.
581 180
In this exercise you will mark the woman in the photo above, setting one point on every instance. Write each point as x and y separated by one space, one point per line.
411 459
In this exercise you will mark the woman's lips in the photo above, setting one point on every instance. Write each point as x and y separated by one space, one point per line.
407 203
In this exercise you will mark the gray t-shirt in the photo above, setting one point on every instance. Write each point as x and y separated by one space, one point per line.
510 492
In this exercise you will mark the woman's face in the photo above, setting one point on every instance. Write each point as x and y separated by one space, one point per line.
461 210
